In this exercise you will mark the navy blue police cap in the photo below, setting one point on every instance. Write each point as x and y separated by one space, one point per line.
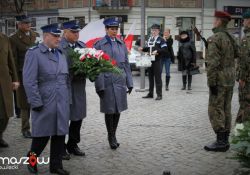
23 19
111 22
155 26
72 25
51 28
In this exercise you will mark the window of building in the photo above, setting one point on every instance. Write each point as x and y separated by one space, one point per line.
11 26
33 24
186 24
76 4
155 20
81 20
57 20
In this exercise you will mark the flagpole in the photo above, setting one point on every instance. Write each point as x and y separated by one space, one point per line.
142 69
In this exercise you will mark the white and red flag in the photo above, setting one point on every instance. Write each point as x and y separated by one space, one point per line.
92 32
130 36
95 30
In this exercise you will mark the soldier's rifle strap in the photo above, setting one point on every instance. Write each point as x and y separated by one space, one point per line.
233 43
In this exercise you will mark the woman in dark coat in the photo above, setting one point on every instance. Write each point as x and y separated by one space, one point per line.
186 58
112 88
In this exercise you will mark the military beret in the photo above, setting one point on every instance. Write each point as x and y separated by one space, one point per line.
71 25
222 14
51 28
246 15
155 26
111 22
23 18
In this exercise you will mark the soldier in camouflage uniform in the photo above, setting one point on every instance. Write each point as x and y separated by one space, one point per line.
244 72
21 41
221 54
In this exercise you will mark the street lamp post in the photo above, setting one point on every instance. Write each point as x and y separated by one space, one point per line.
142 69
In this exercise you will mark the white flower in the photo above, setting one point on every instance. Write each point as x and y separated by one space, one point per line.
238 126
92 51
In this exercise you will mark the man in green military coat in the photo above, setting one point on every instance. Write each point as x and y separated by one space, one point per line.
21 41
244 72
8 83
221 54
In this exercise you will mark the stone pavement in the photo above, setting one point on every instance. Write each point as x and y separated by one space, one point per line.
154 136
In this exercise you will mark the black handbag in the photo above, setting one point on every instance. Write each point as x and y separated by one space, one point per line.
194 70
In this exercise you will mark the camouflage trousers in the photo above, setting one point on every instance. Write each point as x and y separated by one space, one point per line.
244 100
219 109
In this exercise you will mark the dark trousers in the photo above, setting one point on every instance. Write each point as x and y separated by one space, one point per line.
17 109
74 133
154 74
56 149
25 116
3 125
3 116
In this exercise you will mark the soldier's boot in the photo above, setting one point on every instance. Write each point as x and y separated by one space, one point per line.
167 82
189 82
219 145
3 143
115 124
184 82
109 125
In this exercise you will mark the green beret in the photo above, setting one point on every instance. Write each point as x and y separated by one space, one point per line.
246 15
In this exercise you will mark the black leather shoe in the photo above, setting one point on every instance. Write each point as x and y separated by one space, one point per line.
3 144
59 171
112 143
148 96
66 156
166 173
27 134
32 166
32 169
158 98
117 144
76 151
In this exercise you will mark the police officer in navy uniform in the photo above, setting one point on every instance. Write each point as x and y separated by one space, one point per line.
78 107
47 86
112 88
159 49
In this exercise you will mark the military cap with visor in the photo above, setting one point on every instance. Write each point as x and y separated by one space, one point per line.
54 29
72 25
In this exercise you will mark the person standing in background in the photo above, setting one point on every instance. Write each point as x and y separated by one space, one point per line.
244 72
186 58
159 49
8 83
112 88
221 54
78 107
21 41
168 57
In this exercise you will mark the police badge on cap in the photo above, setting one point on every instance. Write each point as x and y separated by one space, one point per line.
51 28
72 25
111 22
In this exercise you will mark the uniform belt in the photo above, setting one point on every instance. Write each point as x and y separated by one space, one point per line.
56 78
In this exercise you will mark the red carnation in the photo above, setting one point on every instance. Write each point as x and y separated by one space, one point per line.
83 58
105 57
113 62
